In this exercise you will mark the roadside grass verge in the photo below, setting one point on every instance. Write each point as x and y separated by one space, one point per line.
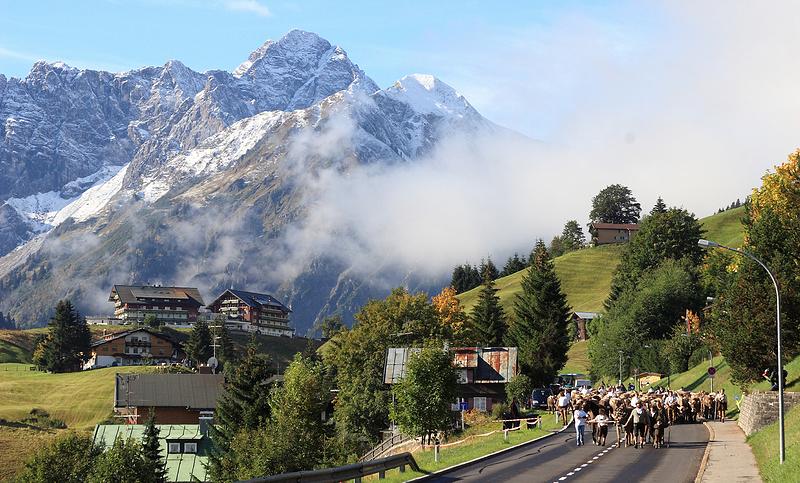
471 449
765 448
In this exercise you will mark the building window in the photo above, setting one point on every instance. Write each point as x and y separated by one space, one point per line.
190 447
174 448
480 403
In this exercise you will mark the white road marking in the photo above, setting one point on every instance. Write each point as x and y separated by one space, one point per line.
583 465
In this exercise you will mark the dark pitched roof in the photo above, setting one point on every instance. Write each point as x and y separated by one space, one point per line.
615 226
132 293
195 391
254 299
118 335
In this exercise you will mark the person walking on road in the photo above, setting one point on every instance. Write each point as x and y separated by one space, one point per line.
639 418
601 421
580 417
563 403
722 404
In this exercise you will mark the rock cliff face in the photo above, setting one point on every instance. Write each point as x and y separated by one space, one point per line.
167 175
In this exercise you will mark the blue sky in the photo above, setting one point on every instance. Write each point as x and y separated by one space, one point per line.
387 39
692 101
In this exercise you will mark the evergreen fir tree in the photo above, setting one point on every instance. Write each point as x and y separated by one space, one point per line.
198 347
513 265
488 270
68 341
540 325
151 450
660 207
243 406
572 237
226 351
487 318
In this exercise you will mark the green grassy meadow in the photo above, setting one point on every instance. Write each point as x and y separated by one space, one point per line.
577 358
585 278
80 399
586 274
726 227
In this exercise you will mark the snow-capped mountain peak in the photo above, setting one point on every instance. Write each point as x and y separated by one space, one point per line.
427 94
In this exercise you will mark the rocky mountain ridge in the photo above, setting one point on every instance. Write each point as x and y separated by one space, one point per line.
165 174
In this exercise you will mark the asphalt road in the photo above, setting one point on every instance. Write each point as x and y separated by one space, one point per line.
558 459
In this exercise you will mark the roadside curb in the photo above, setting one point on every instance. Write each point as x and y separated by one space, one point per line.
704 461
485 457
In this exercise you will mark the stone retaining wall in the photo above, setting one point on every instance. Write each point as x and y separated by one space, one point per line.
761 408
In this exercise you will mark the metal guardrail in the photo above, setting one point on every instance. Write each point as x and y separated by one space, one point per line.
384 446
354 471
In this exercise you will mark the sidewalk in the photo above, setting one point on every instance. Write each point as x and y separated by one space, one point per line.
729 456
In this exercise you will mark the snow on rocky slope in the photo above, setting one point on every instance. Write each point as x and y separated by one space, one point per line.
126 152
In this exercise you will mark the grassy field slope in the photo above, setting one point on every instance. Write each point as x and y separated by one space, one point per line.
726 227
80 399
10 352
585 277
577 358
586 274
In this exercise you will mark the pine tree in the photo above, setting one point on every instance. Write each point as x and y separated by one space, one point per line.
198 347
487 318
243 406
68 341
513 265
660 207
540 325
151 450
226 351
488 270
572 237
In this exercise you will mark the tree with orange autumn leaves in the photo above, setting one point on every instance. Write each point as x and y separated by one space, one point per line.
452 315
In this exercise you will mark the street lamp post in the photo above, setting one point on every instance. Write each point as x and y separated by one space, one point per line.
620 367
711 244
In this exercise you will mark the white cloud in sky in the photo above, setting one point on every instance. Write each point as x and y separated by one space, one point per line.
249 6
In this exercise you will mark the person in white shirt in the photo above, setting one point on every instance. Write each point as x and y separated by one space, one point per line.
580 417
563 403
601 420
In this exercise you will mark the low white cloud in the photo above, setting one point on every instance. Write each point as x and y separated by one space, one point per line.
249 6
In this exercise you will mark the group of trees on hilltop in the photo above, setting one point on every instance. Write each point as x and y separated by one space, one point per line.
613 204
736 204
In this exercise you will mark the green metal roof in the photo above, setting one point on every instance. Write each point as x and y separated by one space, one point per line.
181 467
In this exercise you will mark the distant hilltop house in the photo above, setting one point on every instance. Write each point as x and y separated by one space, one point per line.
170 305
252 312
133 348
581 321
172 398
186 447
483 372
609 233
